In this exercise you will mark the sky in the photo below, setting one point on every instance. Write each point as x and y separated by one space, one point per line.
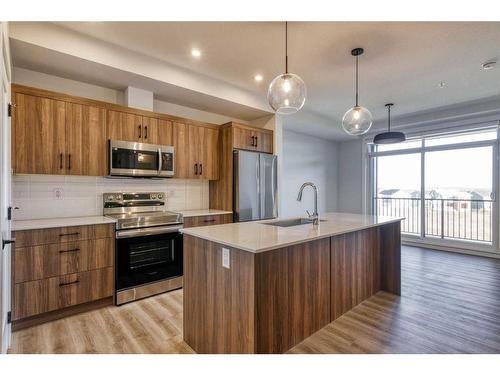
469 169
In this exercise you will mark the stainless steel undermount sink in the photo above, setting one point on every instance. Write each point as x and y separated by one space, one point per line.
290 222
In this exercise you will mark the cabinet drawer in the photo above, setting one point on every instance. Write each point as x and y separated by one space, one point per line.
42 261
200 221
63 234
40 296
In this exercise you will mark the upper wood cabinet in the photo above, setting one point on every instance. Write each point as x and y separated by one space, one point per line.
38 135
196 151
246 138
55 137
86 140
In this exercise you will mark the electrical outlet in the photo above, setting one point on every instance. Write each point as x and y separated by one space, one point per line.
225 258
58 193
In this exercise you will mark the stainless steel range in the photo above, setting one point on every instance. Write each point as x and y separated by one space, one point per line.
148 257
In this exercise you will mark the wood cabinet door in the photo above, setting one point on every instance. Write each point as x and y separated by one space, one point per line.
181 146
242 139
38 137
165 133
123 126
196 137
264 142
210 154
150 130
86 140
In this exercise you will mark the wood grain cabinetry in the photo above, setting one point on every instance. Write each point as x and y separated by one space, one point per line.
196 151
253 139
39 135
199 221
130 127
57 268
54 133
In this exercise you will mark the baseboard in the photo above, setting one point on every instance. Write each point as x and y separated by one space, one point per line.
58 314
451 249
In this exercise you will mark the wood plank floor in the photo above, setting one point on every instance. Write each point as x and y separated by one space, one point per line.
450 303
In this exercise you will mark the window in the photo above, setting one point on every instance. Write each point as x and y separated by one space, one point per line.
442 184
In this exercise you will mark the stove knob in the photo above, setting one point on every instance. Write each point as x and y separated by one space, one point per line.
111 197
153 196
160 196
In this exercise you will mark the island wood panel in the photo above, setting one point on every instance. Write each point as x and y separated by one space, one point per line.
292 294
390 243
40 296
38 135
86 140
43 261
218 302
63 234
221 190
355 269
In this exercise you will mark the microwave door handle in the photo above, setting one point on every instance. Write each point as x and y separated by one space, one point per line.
159 161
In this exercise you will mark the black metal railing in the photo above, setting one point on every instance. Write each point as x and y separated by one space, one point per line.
465 219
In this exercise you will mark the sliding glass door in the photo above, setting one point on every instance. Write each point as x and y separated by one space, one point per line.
444 187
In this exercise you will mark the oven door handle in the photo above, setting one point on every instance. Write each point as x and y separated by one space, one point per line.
147 231
159 161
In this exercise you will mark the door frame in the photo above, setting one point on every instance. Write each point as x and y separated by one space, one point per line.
6 199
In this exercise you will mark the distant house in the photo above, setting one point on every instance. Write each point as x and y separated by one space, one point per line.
478 200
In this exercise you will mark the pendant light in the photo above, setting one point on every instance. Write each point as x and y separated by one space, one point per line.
287 92
357 120
388 136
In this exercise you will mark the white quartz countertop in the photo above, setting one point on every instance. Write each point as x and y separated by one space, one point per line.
18 225
255 236
204 212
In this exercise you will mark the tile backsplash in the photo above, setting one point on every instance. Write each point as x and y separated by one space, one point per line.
47 196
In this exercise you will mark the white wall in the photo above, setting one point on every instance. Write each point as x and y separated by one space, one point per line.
307 158
350 177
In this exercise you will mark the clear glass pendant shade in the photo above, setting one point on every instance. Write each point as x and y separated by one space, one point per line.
357 121
287 93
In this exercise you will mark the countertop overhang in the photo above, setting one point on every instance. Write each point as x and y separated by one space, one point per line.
256 236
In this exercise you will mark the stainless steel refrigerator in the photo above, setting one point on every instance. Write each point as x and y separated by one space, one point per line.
255 186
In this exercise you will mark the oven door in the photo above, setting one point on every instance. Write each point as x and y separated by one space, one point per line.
144 259
134 159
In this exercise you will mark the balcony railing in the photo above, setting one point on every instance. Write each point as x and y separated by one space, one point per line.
464 219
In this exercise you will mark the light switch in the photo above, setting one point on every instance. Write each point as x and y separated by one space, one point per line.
225 258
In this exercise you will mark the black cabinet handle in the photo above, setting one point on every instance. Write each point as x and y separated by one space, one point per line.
69 161
253 141
7 242
196 169
201 169
256 141
70 283
146 130
60 160
209 220
69 234
140 131
68 251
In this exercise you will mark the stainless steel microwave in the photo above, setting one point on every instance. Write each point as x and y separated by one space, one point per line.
136 159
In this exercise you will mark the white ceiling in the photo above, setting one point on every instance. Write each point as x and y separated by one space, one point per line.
403 62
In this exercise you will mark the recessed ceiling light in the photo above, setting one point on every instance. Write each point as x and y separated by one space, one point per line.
441 84
195 52
258 77
489 65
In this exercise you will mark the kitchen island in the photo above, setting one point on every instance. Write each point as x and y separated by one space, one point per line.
259 288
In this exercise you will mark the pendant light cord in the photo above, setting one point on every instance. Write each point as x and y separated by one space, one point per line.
286 47
356 81
389 118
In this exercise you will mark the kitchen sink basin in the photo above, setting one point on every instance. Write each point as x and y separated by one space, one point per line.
290 222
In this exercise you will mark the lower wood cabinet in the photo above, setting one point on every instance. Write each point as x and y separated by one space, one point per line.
200 221
57 268
41 296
